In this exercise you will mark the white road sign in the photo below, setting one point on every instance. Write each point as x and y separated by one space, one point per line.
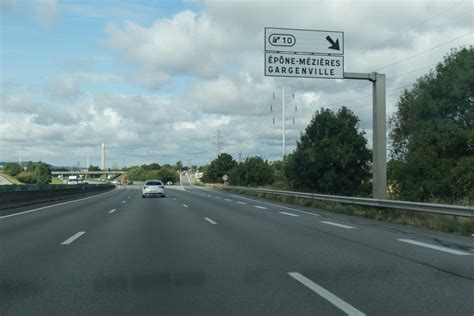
304 41
304 53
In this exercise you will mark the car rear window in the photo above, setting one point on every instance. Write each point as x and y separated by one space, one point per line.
154 183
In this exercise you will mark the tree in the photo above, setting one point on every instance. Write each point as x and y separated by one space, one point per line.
433 133
12 168
331 156
223 164
254 171
93 168
42 173
167 174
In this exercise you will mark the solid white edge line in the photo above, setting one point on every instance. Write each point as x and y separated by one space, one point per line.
185 205
280 206
336 301
112 210
72 238
337 225
260 207
440 248
210 220
49 206
289 214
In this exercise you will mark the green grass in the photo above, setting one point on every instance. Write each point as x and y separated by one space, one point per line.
11 179
55 180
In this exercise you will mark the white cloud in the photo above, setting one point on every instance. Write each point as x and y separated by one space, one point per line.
203 72
46 12
63 86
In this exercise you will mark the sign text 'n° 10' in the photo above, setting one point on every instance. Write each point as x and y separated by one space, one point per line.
304 53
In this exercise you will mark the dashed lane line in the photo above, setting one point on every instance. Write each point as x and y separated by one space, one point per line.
289 214
439 248
72 238
112 210
337 225
276 205
210 220
333 299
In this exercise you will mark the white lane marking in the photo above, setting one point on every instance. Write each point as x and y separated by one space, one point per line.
129 197
124 201
260 207
174 199
72 238
228 200
289 214
210 220
210 196
338 225
280 206
336 301
217 197
440 248
49 206
240 202
112 210
185 205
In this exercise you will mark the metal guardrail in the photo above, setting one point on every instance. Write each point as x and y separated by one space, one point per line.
446 209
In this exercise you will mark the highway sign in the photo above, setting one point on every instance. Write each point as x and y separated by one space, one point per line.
304 53
303 66
304 41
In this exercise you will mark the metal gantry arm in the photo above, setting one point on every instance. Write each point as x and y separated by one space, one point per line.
379 154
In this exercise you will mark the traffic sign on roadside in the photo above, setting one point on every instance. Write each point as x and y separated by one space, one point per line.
304 53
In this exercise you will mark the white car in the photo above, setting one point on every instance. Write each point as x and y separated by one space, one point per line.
153 188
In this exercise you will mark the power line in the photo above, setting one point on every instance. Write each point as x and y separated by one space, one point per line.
425 51
411 29
418 25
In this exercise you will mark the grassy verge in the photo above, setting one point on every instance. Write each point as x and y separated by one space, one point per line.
11 179
439 222
55 180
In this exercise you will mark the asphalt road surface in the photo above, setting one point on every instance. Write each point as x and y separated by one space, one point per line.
206 252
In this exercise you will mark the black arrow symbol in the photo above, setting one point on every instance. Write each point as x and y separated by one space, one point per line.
334 45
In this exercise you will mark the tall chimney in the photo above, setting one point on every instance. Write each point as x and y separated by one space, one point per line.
102 158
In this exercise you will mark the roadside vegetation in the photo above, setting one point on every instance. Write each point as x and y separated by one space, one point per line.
29 173
431 158
154 171
431 138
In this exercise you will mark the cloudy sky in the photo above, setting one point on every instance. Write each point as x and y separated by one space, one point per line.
156 81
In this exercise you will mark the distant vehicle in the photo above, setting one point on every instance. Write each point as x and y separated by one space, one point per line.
130 181
72 180
169 183
153 188
125 181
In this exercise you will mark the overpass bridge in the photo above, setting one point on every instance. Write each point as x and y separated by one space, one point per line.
85 172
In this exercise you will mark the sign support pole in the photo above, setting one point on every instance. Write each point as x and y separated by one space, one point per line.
379 152
283 120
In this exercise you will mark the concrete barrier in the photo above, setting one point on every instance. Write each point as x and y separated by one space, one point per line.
21 197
